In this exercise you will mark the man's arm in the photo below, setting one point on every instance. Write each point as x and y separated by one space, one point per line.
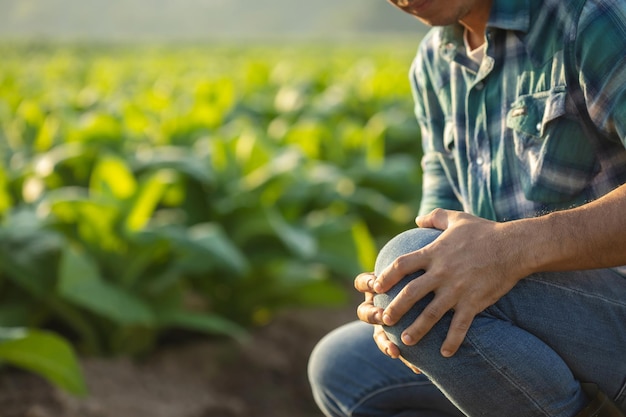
437 188
588 237
476 261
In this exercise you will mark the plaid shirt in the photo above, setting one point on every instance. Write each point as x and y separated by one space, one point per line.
502 139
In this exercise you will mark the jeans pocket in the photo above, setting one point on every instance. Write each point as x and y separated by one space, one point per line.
555 160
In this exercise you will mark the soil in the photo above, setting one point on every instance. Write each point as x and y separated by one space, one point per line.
263 377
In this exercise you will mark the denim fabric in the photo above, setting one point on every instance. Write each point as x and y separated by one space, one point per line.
349 376
524 356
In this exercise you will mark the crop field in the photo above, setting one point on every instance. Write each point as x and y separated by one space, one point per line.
199 188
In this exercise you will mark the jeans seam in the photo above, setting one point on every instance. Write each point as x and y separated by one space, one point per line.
621 396
513 382
384 389
576 291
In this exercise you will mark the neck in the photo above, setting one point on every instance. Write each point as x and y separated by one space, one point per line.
476 22
475 39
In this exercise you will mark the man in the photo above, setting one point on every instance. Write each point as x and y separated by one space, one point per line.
521 310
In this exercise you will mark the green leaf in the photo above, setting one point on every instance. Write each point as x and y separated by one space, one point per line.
28 252
95 218
151 191
283 164
98 127
15 313
211 238
80 282
6 201
112 177
337 247
201 248
45 354
300 241
202 322
365 245
320 293
178 158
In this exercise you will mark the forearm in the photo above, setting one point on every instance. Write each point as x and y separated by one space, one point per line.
587 237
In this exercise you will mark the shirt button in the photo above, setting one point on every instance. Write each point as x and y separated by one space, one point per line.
538 127
480 160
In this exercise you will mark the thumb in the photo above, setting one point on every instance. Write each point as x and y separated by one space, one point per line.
436 219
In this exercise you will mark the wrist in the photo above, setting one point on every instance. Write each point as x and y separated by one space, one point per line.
540 243
531 245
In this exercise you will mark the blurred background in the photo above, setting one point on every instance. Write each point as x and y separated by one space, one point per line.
168 20
187 190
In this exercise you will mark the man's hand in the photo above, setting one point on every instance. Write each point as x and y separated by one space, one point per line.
371 314
474 262
469 267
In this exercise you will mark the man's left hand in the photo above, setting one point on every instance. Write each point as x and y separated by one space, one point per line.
469 267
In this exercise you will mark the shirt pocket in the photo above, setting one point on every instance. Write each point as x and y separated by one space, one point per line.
555 161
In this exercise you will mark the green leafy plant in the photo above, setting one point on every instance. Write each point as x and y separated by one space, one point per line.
44 353
197 189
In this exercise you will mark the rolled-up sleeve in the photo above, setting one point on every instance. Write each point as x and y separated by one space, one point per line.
438 190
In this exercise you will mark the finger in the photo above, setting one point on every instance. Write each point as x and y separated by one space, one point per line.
384 344
461 322
399 268
369 313
430 316
412 367
364 282
412 292
437 219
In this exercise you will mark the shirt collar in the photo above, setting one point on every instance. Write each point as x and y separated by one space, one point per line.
510 15
505 14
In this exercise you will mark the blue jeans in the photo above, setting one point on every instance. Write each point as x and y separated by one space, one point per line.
524 356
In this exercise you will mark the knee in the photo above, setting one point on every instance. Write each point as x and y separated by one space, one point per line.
406 242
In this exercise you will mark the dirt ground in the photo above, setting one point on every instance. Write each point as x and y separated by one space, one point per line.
265 377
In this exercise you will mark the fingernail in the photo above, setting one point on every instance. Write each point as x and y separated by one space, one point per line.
377 287
369 283
407 339
387 320
446 353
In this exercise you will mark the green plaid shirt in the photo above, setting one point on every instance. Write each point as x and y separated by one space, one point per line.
502 139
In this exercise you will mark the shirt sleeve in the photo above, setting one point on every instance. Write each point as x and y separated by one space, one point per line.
600 46
437 187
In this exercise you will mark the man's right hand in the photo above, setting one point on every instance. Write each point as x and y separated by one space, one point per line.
371 314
